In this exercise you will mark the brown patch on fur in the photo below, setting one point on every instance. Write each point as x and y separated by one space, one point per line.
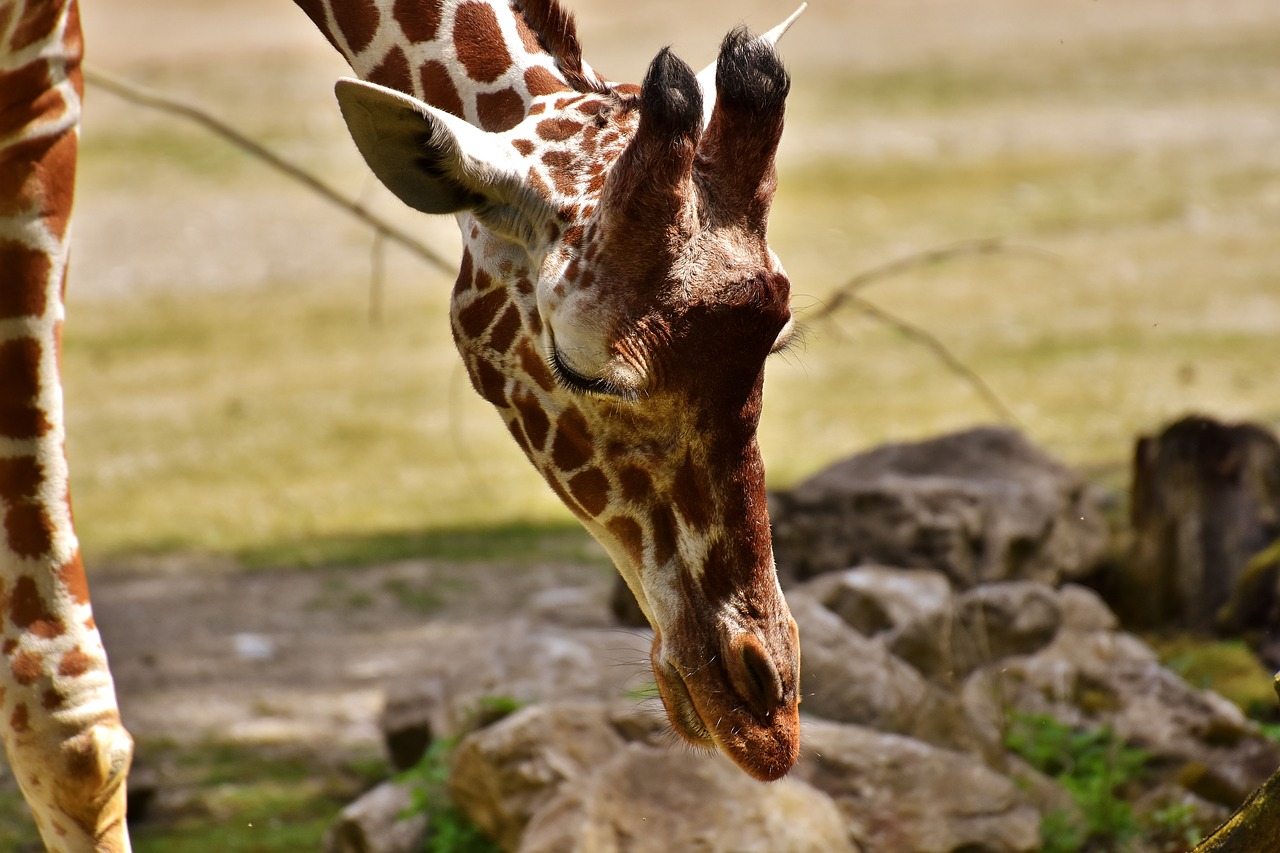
27 667
591 489
393 72
536 423
565 498
20 478
484 281
513 426
74 664
51 700
524 146
534 366
538 185
25 96
558 34
504 331
558 129
466 272
540 81
690 493
489 382
29 530
573 445
315 11
480 312
419 21
358 21
72 577
29 612
38 21
637 485
478 40
20 719
561 165
438 89
664 534
629 535
501 110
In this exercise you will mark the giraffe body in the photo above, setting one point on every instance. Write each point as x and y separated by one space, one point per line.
62 728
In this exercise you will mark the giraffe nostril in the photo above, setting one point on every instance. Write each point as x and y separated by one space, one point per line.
754 674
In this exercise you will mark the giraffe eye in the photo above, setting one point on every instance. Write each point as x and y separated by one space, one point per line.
786 338
572 380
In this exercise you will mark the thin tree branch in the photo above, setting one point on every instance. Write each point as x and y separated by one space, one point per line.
166 104
929 257
939 349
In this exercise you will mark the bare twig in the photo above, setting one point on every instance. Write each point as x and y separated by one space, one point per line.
939 349
164 103
929 257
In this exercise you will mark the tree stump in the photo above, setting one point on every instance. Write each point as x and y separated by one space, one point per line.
1206 500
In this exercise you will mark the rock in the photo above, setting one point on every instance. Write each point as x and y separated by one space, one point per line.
646 800
505 773
850 678
980 506
1084 610
1002 620
900 795
375 823
1206 499
520 661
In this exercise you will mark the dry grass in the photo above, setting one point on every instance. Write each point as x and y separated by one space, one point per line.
226 391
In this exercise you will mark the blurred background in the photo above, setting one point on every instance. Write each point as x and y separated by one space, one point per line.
240 396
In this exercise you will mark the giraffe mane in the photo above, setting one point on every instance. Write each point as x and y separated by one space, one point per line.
557 31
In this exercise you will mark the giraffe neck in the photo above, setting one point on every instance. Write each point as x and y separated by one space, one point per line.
486 61
57 703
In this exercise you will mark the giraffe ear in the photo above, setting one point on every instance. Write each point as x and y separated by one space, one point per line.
438 163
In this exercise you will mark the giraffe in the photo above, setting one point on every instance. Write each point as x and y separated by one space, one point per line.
616 302
61 725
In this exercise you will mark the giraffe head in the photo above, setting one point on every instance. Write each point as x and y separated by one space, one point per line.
617 303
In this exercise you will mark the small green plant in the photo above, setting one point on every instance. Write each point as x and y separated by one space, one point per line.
1094 766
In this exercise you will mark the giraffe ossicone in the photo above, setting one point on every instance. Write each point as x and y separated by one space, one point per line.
616 303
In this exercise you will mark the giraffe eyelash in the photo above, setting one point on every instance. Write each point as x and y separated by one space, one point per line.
569 379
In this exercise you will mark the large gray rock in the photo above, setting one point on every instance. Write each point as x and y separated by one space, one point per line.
505 773
646 800
980 506
900 795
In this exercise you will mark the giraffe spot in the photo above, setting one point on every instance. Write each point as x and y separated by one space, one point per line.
20 478
523 285
27 96
571 271
438 89
535 323
537 108
72 577
393 72
478 40
20 418
573 236
565 498
563 172
627 89
20 719
27 667
489 382
478 314
358 21
595 182
504 331
74 664
500 110
553 232
51 700
29 530
561 103
558 129
29 612
691 495
513 426
9 646
58 165
567 213
536 423
664 534
590 489
524 146
540 80
572 447
538 185
37 22
419 21
637 486
629 536
483 280
588 279
465 273
534 367
528 37
717 571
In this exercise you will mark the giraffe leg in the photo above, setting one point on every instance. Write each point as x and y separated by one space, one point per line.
58 710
